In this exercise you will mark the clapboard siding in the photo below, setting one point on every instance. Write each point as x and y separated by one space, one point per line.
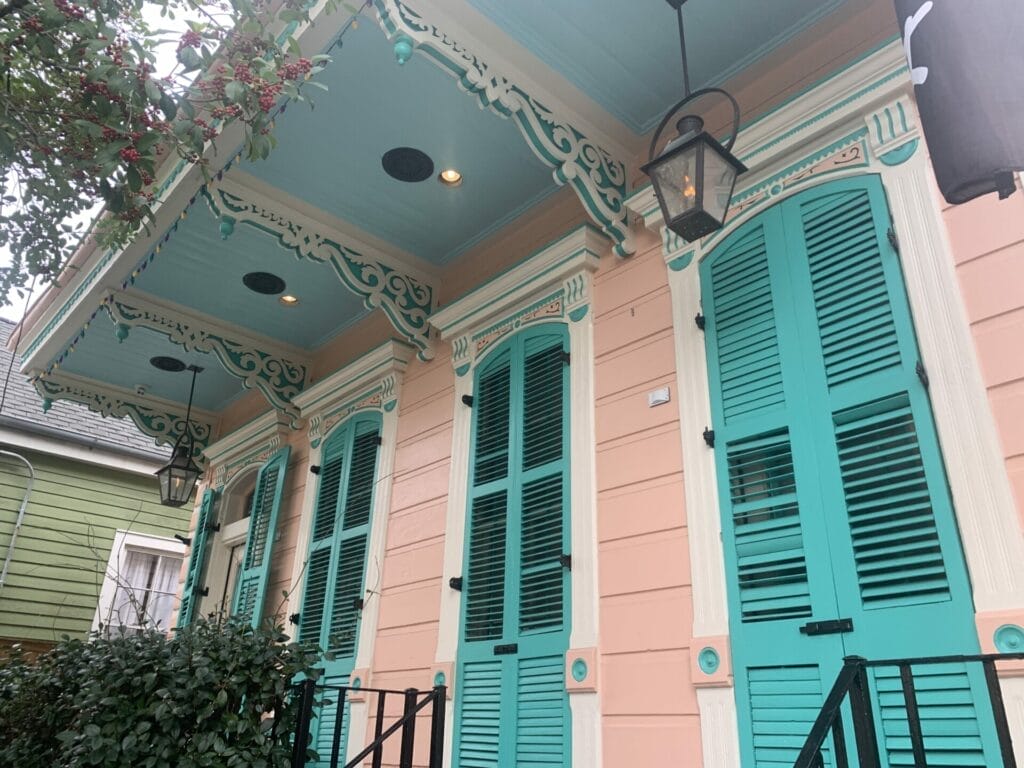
987 238
62 549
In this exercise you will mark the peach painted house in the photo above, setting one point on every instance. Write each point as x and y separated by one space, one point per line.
632 500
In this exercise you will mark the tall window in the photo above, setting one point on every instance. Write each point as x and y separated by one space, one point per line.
140 584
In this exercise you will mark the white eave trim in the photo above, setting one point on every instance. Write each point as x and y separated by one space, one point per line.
267 428
391 357
62 449
580 249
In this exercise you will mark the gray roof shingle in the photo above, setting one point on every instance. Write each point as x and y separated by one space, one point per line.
24 404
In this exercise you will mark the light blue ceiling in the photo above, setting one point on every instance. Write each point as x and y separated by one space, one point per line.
199 270
625 55
330 157
99 356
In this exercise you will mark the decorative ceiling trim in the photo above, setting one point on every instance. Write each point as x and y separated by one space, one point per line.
279 378
157 418
598 178
407 300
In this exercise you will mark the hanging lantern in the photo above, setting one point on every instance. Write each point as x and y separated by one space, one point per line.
694 176
179 476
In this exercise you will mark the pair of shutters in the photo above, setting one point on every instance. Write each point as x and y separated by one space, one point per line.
831 481
336 566
512 705
251 588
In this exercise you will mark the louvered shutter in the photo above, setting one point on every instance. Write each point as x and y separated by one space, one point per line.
318 566
513 709
251 588
191 592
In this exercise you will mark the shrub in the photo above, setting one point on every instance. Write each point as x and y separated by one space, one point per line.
210 695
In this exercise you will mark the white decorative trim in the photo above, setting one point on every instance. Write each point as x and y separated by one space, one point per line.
250 444
892 127
160 419
554 284
598 178
406 295
279 372
1013 700
982 496
720 733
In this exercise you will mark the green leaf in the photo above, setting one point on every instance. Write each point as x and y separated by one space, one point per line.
189 59
134 178
235 92
168 106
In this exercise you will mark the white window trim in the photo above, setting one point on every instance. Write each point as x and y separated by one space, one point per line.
123 542
474 325
981 491
372 382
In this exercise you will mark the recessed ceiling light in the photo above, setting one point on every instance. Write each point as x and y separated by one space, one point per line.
169 364
407 164
450 177
288 300
264 282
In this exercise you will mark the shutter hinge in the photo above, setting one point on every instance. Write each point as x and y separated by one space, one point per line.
922 374
455 582
566 357
565 561
294 618
467 400
709 437
357 603
314 468
380 440
213 527
204 592
187 541
894 241
700 320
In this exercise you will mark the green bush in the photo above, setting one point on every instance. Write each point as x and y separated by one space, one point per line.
210 695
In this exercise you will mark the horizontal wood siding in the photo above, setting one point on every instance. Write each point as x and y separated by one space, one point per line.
645 596
987 238
62 549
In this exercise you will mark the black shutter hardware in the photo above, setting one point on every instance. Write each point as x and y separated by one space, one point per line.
700 320
294 618
467 400
709 437
187 541
455 582
894 241
565 561
922 374
314 468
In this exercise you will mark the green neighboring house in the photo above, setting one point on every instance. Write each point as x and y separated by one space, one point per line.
95 549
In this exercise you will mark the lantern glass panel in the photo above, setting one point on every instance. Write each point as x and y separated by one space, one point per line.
675 180
719 180
178 479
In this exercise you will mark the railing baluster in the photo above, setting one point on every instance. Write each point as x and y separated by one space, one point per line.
409 729
913 716
839 742
339 722
863 718
307 695
995 696
437 727
378 729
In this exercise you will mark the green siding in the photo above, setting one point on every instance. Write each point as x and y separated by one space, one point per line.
57 570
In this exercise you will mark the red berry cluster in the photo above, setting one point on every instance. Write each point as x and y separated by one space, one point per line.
69 10
190 39
130 155
33 24
295 70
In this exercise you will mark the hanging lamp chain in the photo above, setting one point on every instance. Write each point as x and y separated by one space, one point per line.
682 50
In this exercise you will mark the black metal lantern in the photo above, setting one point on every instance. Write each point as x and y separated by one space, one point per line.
694 175
179 476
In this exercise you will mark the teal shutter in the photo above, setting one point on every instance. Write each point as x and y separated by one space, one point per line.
336 566
512 708
833 493
191 592
251 588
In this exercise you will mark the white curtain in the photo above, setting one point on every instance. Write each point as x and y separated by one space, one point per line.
146 584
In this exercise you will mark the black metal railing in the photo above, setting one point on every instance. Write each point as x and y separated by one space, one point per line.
853 686
314 697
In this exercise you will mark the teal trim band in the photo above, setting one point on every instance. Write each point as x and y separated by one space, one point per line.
1009 638
579 313
579 670
900 154
708 660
